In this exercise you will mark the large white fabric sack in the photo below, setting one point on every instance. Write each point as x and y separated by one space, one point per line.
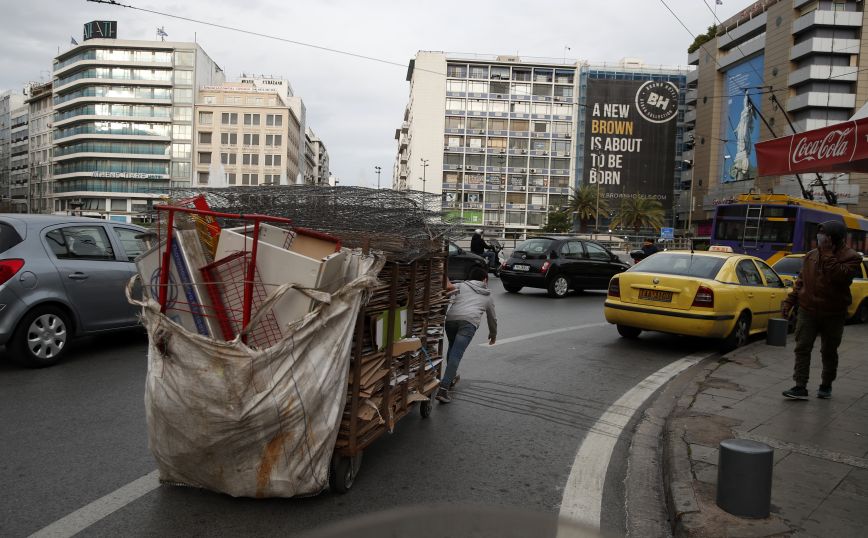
247 422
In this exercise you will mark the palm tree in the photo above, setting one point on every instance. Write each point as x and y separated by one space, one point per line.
637 213
584 204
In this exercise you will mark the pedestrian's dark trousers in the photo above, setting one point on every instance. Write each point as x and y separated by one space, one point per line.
830 329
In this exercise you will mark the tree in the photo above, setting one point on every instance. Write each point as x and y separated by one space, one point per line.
558 222
637 213
702 39
583 204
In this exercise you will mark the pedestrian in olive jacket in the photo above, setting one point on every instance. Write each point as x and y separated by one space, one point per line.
822 293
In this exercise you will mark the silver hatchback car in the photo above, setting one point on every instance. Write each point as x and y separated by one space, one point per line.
62 277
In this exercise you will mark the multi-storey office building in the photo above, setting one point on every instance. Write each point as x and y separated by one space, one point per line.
245 135
123 122
9 101
19 155
317 158
502 138
39 181
805 53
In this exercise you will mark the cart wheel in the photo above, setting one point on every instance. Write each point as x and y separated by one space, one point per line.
343 472
425 408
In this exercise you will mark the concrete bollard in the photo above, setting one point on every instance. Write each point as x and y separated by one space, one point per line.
776 334
744 478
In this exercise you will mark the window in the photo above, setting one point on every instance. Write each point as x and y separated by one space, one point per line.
206 118
80 242
228 139
181 151
478 71
182 113
455 104
477 105
561 127
541 108
183 78
519 125
476 123
184 59
204 158
772 279
497 125
181 170
210 100
203 178
456 86
230 178
250 179
182 132
457 71
273 120
272 160
251 119
229 118
250 158
130 242
681 264
204 138
520 107
597 252
273 140
540 127
477 87
228 158
182 95
251 139
747 274
520 89
498 106
572 250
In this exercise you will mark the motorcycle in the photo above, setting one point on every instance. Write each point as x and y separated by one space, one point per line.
497 260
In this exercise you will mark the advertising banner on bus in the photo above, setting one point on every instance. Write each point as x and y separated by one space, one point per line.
630 138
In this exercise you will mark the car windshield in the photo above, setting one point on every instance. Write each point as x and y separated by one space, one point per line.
788 266
534 248
681 264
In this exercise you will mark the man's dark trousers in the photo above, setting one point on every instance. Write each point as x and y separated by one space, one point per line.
830 328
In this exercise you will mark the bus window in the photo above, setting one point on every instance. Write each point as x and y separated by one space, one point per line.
809 239
856 240
729 230
776 232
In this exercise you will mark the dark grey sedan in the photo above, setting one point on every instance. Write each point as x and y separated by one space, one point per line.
61 277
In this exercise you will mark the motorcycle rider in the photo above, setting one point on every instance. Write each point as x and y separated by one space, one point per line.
479 247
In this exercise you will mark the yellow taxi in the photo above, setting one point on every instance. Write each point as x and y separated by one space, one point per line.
790 266
713 294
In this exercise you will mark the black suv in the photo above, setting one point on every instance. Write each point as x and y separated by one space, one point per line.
559 265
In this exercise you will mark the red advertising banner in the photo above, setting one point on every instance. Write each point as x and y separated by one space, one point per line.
842 147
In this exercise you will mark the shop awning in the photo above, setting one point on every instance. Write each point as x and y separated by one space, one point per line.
842 147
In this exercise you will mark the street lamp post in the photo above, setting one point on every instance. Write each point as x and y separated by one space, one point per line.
378 169
597 212
424 170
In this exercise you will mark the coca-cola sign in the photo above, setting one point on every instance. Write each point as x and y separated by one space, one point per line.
833 145
837 148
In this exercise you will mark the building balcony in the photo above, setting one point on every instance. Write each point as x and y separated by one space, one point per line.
821 100
824 45
693 57
690 116
692 77
834 19
744 50
838 73
691 96
743 32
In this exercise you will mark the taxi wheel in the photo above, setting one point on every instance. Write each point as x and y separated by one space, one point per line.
739 335
558 287
629 332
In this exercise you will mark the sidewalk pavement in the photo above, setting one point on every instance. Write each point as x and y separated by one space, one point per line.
820 477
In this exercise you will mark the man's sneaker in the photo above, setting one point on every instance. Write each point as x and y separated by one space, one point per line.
443 396
797 393
454 382
824 392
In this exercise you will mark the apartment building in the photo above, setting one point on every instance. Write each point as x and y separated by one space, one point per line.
503 139
19 155
316 159
9 101
775 63
39 180
123 122
246 134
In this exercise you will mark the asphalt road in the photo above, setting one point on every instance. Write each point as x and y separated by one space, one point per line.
74 433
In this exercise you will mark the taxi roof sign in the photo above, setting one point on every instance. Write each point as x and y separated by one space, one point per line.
720 248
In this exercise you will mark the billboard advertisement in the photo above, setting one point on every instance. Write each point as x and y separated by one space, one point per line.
739 129
630 138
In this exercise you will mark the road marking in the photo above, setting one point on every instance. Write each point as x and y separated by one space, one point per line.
86 516
545 333
583 494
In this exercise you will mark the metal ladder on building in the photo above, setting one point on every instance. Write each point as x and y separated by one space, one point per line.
752 220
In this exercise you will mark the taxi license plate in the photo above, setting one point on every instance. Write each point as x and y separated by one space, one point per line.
520 267
656 295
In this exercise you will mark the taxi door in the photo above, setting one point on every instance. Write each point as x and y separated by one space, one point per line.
777 290
755 292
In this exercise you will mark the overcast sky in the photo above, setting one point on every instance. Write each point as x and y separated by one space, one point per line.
354 105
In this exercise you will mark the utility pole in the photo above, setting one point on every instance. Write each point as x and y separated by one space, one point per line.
597 212
378 169
424 170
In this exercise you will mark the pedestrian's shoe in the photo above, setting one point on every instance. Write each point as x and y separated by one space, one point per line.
797 393
824 392
454 382
443 396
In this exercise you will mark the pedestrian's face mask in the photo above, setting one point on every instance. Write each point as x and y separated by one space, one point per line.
822 239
